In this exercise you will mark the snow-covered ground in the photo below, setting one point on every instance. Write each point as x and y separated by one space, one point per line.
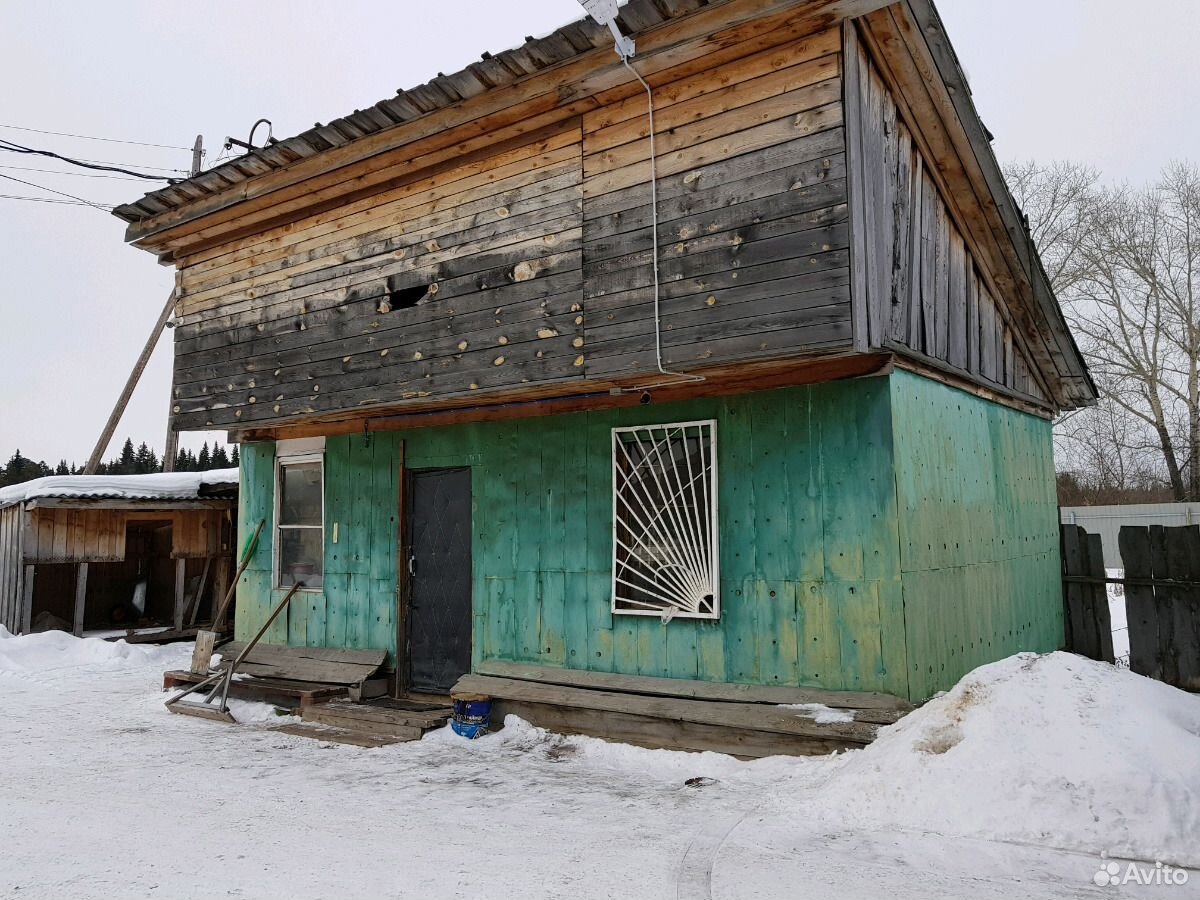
1010 785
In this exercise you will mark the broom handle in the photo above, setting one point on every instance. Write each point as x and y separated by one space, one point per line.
220 616
254 640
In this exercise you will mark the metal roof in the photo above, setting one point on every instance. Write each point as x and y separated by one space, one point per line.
157 486
535 55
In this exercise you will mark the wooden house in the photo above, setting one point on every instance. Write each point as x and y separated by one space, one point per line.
773 411
116 552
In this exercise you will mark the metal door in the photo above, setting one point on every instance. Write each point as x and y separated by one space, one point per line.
439 569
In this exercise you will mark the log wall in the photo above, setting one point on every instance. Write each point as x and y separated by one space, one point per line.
919 288
528 265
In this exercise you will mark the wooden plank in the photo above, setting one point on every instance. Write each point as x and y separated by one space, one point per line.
696 690
180 591
306 670
1141 608
27 598
1183 564
656 733
860 286
202 652
275 653
81 579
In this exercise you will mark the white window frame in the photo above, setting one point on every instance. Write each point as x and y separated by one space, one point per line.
281 462
702 568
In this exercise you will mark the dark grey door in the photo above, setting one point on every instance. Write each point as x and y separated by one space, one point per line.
439 565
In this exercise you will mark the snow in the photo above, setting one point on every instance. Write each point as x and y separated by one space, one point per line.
820 713
1052 750
155 486
1009 785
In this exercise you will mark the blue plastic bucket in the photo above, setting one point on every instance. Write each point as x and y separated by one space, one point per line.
472 716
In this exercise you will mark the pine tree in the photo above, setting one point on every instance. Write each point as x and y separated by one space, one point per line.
220 459
145 460
61 468
127 464
235 458
204 460
21 469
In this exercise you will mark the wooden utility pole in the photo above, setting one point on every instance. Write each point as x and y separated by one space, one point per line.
197 154
119 410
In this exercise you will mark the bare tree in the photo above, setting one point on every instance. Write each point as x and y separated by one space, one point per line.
1126 264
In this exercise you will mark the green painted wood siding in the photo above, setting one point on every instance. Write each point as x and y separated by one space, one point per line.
978 531
809 545
880 534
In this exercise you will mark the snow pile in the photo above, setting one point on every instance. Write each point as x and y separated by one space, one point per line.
51 650
155 486
1054 750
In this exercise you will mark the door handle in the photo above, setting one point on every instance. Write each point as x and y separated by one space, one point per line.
412 566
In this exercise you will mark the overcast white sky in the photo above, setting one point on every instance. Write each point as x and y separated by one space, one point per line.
1077 79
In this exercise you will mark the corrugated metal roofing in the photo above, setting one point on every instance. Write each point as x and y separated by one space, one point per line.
157 486
535 55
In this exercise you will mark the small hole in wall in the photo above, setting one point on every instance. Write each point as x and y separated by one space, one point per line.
404 298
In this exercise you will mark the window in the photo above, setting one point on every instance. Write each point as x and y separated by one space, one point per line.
299 521
664 520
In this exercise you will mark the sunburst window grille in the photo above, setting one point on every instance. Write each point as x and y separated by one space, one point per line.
664 520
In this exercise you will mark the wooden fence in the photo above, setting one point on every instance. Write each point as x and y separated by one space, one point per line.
1162 599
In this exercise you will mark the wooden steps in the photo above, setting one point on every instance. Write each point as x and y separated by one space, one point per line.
398 720
296 677
280 692
743 720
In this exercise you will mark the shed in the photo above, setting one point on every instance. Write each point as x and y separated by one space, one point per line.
115 552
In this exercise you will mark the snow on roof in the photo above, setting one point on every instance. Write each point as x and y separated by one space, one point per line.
158 486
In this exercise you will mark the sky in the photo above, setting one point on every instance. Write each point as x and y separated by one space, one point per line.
1055 79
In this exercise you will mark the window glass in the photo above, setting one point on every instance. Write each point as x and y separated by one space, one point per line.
300 494
301 554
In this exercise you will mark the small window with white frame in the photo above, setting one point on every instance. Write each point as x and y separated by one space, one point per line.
665 520
300 520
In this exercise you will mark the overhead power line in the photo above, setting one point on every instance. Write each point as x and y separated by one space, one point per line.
53 200
41 187
72 174
109 162
18 148
89 137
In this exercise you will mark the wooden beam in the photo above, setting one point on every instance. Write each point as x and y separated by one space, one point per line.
81 578
180 590
139 366
722 382
27 598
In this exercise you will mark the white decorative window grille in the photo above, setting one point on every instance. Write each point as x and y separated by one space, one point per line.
664 520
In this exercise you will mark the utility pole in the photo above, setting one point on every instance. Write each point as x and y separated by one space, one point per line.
197 154
138 367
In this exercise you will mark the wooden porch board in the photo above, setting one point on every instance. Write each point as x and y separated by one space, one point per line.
697 690
658 733
746 717
339 735
349 667
385 719
289 694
